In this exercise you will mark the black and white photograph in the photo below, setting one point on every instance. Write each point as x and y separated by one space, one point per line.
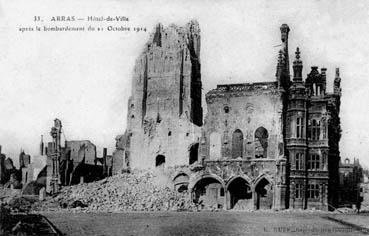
192 118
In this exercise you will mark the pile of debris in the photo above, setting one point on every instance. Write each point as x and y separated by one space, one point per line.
138 191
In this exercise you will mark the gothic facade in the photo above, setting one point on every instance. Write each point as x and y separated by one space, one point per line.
262 145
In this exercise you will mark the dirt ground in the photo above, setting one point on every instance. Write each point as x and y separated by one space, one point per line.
201 223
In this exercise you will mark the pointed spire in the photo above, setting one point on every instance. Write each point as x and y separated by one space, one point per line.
297 67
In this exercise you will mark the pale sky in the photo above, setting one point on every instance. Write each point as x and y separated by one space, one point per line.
84 78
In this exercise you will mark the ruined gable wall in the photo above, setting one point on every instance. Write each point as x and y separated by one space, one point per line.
248 111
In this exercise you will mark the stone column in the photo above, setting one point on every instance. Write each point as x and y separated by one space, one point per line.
292 195
227 198
279 197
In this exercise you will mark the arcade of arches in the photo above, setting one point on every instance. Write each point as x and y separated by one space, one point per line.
212 193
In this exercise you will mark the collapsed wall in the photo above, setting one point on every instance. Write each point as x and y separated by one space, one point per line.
164 110
136 191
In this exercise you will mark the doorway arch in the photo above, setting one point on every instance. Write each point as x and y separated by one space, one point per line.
264 194
239 194
208 193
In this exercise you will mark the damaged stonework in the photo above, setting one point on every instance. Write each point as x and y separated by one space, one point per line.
266 145
164 111
241 147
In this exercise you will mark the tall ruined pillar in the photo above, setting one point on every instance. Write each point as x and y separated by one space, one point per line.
164 110
55 155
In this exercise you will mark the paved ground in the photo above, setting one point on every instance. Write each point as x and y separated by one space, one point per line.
204 223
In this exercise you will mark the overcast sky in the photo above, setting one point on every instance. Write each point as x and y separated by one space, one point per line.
84 78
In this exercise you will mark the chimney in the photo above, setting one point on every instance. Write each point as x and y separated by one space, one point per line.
283 68
337 83
284 37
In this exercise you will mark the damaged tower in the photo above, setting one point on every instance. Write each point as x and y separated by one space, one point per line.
164 111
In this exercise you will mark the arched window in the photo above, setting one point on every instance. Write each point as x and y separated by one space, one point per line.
237 144
315 130
194 149
261 143
181 182
160 160
215 146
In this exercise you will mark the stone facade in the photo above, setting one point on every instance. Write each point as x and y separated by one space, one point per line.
313 133
262 145
242 143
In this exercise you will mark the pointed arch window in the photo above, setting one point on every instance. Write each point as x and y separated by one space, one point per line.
237 144
261 143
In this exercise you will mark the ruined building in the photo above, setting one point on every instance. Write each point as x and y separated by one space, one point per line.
351 176
9 175
74 162
262 145
164 111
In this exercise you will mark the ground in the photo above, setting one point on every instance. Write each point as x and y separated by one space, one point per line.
208 223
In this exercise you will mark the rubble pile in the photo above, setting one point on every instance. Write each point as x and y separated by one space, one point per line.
7 194
125 192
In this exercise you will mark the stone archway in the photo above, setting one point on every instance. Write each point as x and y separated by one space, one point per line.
181 182
208 193
263 194
239 194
